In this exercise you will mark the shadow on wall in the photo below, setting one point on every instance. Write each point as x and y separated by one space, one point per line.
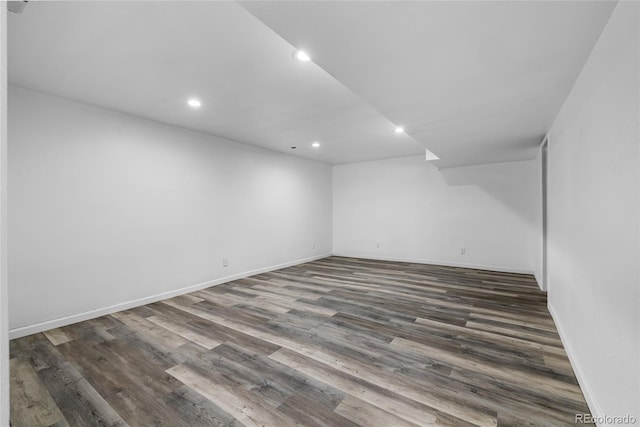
505 182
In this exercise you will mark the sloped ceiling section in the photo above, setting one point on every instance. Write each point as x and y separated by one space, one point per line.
148 58
474 82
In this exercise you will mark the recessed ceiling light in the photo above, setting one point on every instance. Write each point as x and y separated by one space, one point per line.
194 103
399 129
315 144
301 56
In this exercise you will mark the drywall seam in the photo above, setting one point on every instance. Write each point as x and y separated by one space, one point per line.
74 318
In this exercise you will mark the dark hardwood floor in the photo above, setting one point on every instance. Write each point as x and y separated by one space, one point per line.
335 342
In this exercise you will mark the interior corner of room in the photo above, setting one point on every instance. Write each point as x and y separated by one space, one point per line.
138 166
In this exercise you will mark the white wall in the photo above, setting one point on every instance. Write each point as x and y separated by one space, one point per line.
4 318
106 208
537 223
418 213
594 218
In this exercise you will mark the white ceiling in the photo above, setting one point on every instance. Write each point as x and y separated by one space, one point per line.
474 82
148 58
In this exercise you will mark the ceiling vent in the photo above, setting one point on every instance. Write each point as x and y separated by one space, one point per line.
16 6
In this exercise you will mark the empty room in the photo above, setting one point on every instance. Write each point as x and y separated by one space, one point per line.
320 213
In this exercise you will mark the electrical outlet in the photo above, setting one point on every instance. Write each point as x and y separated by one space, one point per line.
225 262
463 251
314 246
378 245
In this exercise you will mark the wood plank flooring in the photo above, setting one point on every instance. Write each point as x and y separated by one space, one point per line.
334 342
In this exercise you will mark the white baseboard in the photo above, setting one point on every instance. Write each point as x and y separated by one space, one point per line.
436 262
91 314
589 396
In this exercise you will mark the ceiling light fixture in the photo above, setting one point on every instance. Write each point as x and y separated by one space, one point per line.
301 56
399 129
194 103
315 144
